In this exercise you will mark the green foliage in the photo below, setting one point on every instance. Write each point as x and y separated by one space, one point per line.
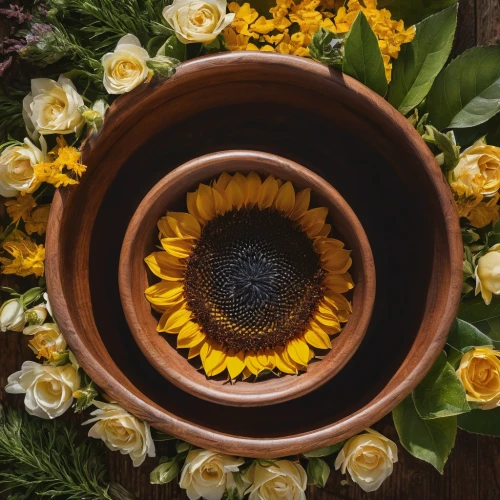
490 129
440 394
318 472
44 459
324 452
428 440
167 471
11 117
326 47
173 48
463 336
467 92
413 11
481 422
420 61
362 56
446 143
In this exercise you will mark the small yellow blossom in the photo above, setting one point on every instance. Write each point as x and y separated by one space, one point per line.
20 207
26 256
38 219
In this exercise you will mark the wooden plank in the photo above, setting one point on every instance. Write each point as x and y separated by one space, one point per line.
466 29
487 22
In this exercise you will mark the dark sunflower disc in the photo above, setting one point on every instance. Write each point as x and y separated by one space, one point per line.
253 280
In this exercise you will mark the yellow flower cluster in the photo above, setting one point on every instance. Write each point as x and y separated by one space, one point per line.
248 31
26 256
65 160
25 207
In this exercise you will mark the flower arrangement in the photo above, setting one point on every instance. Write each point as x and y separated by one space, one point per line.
91 52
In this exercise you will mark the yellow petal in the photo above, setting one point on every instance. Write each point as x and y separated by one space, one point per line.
242 183
315 229
322 328
165 293
246 373
253 183
285 200
222 182
234 196
177 320
323 245
302 201
268 193
283 364
184 225
195 351
205 351
235 363
178 247
205 202
298 350
325 231
220 367
318 340
220 202
340 283
336 301
165 230
189 336
336 262
313 218
191 206
214 358
165 266
252 364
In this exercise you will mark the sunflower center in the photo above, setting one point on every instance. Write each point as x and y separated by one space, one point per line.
253 280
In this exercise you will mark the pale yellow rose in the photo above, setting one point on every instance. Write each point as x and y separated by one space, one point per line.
122 432
49 389
12 316
368 458
53 107
47 340
283 479
197 20
16 167
479 372
487 274
126 67
207 474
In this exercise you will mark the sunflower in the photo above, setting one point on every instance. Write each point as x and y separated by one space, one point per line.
250 281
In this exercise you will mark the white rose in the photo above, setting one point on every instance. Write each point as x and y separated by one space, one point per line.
125 68
369 459
12 316
52 107
283 479
47 304
197 20
49 389
47 340
488 274
16 167
122 432
207 474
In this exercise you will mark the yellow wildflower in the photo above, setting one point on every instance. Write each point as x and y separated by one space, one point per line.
466 195
27 257
20 207
38 219
485 213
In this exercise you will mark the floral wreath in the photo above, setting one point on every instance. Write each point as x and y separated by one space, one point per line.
90 52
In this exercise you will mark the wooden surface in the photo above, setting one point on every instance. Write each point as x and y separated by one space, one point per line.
473 471
142 238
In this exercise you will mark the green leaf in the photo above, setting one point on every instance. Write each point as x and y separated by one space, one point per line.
362 56
163 66
413 11
475 310
463 336
440 394
32 295
446 143
481 422
324 452
166 472
173 48
420 61
428 440
317 472
467 92
325 47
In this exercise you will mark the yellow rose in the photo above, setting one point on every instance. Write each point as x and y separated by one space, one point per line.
197 20
487 274
207 474
126 67
47 340
368 458
122 432
282 479
479 372
16 168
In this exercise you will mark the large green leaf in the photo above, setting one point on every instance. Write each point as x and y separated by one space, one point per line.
421 60
429 440
413 11
467 92
481 422
362 56
463 336
475 310
440 394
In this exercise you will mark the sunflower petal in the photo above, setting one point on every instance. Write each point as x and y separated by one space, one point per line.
325 231
165 266
220 202
254 183
285 200
189 336
165 230
299 351
323 245
205 202
246 373
235 363
214 359
165 293
267 193
191 206
252 364
177 320
336 301
242 183
221 183
321 328
178 247
318 340
336 261
302 201
283 364
313 217
234 195
184 225
340 283
195 351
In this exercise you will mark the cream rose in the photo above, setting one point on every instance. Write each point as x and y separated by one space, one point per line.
479 372
53 107
487 274
16 167
207 474
368 458
12 316
47 340
125 68
197 20
121 432
283 479
49 389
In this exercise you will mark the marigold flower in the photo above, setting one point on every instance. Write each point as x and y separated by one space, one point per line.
27 257
38 220
20 207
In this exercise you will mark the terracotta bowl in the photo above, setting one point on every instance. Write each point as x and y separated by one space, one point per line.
330 124
141 239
